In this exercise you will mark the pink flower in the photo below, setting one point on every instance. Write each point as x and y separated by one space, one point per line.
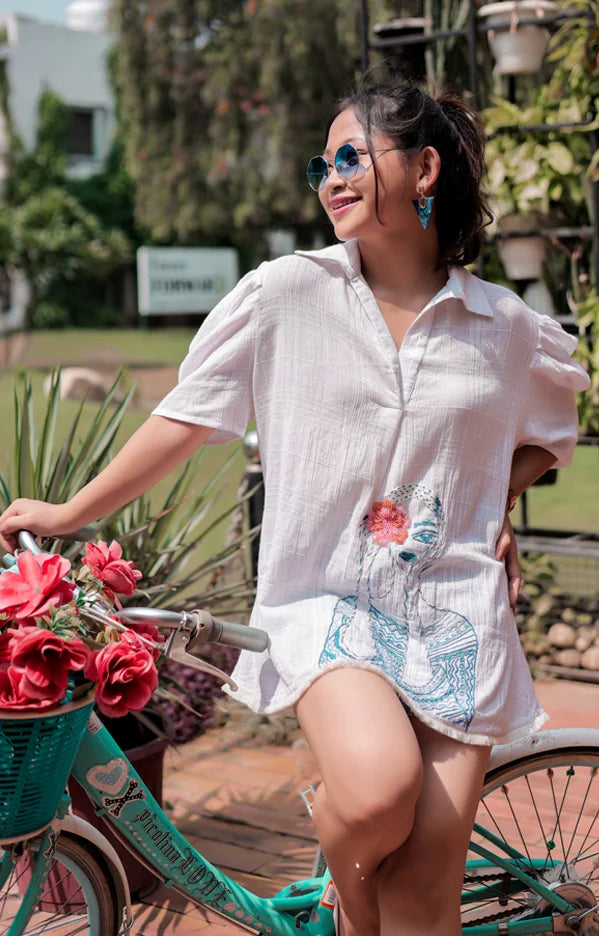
106 564
36 588
388 522
5 642
43 660
125 674
145 630
12 695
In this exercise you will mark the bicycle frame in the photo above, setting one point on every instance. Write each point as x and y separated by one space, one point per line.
121 797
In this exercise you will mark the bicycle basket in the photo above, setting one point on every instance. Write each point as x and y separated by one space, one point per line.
36 755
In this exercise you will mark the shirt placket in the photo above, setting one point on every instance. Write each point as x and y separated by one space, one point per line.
405 363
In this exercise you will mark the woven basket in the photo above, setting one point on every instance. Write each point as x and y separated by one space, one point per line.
37 751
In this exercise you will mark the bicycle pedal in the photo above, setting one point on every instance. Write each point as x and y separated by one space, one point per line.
308 797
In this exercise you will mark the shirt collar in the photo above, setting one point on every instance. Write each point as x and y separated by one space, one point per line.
461 284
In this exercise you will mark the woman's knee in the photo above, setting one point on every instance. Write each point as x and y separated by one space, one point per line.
378 806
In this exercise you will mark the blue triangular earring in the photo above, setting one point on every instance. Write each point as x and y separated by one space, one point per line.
424 207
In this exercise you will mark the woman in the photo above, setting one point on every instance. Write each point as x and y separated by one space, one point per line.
401 405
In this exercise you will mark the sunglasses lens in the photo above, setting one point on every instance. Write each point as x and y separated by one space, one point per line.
347 161
317 172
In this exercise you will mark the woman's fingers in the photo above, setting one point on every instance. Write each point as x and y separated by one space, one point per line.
507 550
35 516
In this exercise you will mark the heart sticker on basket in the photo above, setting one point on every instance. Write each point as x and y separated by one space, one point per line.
108 777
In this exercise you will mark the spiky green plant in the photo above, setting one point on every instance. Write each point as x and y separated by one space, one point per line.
166 542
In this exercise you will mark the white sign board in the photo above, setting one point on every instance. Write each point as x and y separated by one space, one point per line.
184 279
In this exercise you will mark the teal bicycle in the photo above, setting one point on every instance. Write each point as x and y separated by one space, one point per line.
533 865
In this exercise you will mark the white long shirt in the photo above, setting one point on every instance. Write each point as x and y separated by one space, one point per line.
386 475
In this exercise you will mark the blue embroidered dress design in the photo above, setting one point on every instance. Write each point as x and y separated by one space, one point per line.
426 651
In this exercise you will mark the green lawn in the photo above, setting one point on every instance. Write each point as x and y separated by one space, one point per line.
82 346
214 456
573 503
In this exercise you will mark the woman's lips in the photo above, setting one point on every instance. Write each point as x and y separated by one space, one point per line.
342 206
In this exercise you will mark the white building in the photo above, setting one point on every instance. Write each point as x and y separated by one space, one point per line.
71 62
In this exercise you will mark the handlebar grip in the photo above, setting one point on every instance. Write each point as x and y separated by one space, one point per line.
83 535
239 635
27 541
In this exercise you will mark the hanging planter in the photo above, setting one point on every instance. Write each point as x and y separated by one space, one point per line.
518 49
522 252
411 55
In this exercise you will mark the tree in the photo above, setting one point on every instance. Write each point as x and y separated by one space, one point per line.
45 229
52 236
222 104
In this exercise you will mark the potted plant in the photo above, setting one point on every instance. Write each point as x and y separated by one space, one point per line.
536 179
166 542
518 49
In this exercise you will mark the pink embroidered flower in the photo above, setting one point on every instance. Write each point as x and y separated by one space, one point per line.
106 563
35 587
388 522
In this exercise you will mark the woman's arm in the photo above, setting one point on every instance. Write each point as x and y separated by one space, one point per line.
528 464
157 447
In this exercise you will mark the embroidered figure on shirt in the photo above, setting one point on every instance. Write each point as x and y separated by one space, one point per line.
428 651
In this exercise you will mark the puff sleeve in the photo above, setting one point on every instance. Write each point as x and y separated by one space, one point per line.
215 378
549 417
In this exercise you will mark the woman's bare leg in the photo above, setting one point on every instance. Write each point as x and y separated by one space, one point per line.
419 886
371 767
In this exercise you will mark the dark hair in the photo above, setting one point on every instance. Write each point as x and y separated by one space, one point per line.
415 120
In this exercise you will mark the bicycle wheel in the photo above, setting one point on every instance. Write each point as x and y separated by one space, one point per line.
78 896
545 806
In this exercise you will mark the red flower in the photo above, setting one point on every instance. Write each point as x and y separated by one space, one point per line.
36 588
106 564
388 522
5 642
125 674
43 660
145 630
12 695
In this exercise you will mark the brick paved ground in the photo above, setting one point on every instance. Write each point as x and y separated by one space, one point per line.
240 806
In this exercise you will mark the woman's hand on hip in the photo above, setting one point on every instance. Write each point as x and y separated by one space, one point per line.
506 549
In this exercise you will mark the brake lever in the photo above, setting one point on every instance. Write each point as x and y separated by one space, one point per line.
175 648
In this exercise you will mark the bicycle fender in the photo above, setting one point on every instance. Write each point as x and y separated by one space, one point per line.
84 830
543 741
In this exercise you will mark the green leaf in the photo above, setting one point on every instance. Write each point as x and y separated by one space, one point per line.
559 158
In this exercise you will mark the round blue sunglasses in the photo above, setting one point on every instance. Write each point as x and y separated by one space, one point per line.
347 165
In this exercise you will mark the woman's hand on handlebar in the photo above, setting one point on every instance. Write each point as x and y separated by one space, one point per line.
36 516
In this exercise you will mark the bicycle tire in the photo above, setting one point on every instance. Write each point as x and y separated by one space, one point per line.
546 806
564 807
78 896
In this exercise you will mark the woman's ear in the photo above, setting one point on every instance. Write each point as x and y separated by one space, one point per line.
429 167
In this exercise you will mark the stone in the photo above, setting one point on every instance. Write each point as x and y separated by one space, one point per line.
590 659
568 658
583 642
79 382
562 635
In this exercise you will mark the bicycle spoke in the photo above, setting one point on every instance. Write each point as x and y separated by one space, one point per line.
545 807
580 812
76 898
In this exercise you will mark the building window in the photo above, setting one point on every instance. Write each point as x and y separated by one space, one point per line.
80 132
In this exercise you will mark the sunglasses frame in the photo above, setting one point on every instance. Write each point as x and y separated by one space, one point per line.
347 172
343 168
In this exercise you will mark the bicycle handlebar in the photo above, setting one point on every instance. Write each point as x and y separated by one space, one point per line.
190 629
205 628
